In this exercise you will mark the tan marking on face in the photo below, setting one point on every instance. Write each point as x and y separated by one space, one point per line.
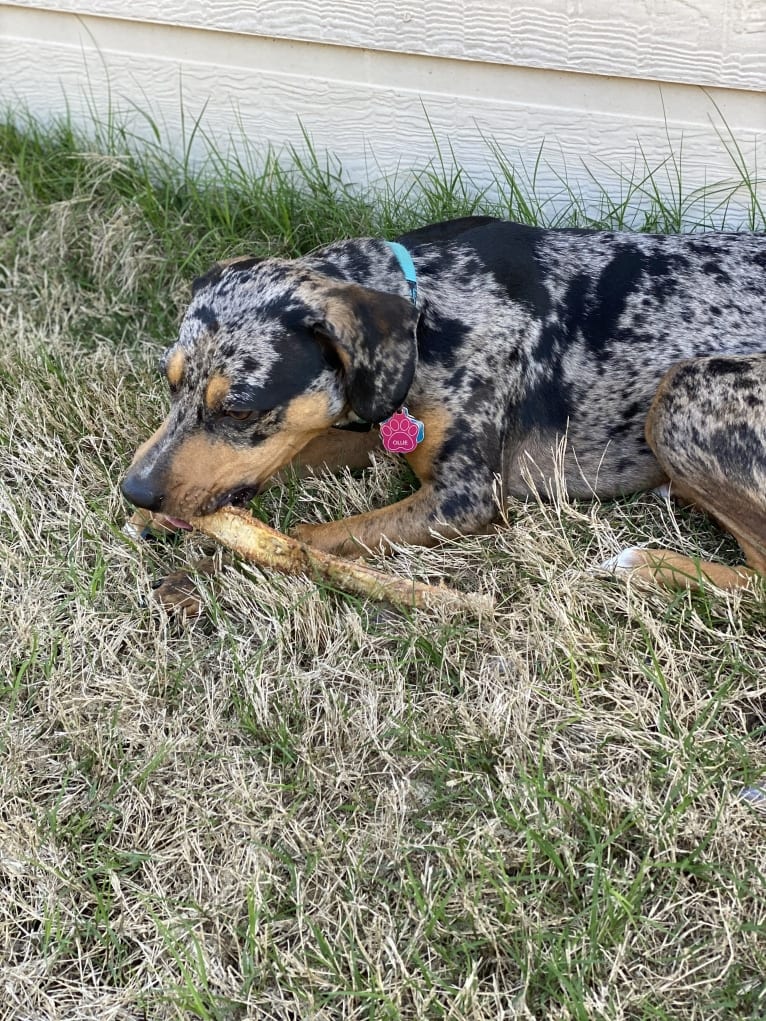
175 368
437 423
308 411
203 468
216 390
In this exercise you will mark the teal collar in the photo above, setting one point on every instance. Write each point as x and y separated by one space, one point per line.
404 259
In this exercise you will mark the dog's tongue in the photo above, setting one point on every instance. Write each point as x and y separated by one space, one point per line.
176 523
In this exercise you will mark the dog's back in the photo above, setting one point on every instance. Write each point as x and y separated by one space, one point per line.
605 315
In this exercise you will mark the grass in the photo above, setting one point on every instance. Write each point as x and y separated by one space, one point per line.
306 807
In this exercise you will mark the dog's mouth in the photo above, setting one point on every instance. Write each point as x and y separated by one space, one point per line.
239 497
174 523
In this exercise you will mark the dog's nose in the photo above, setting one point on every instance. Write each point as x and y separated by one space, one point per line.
141 493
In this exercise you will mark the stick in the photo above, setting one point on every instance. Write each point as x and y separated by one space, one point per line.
257 543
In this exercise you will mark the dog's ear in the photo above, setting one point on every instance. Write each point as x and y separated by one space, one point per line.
372 334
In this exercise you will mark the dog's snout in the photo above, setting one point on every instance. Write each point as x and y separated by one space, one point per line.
141 493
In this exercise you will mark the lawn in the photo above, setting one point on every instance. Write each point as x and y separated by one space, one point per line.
303 806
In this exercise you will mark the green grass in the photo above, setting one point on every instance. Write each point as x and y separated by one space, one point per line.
304 806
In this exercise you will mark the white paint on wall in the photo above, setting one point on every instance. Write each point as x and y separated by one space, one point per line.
384 112
708 42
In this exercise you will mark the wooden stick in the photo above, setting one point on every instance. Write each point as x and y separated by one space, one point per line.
258 544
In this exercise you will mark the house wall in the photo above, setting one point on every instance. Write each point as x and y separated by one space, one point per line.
578 94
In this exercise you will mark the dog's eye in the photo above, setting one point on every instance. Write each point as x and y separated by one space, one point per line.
238 414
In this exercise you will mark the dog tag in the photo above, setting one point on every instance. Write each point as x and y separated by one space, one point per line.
401 433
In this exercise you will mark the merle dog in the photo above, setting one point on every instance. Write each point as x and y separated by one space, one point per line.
620 360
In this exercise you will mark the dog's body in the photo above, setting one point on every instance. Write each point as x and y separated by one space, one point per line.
521 337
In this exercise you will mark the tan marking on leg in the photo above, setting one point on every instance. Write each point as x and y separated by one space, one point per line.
754 557
405 521
216 390
175 367
674 572
437 423
741 514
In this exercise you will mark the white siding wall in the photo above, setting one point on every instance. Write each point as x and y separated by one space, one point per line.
601 85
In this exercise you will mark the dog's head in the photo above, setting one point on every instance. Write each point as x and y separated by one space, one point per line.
270 355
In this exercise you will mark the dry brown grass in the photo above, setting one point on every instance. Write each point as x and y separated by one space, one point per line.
306 807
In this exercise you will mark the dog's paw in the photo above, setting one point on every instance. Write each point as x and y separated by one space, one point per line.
178 592
626 560
321 537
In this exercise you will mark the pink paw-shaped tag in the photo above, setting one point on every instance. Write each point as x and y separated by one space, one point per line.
401 433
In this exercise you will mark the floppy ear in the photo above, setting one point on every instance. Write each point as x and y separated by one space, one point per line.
373 336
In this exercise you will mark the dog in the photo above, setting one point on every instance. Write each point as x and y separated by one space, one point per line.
488 350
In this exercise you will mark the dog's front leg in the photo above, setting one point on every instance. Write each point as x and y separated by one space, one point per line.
421 519
410 520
